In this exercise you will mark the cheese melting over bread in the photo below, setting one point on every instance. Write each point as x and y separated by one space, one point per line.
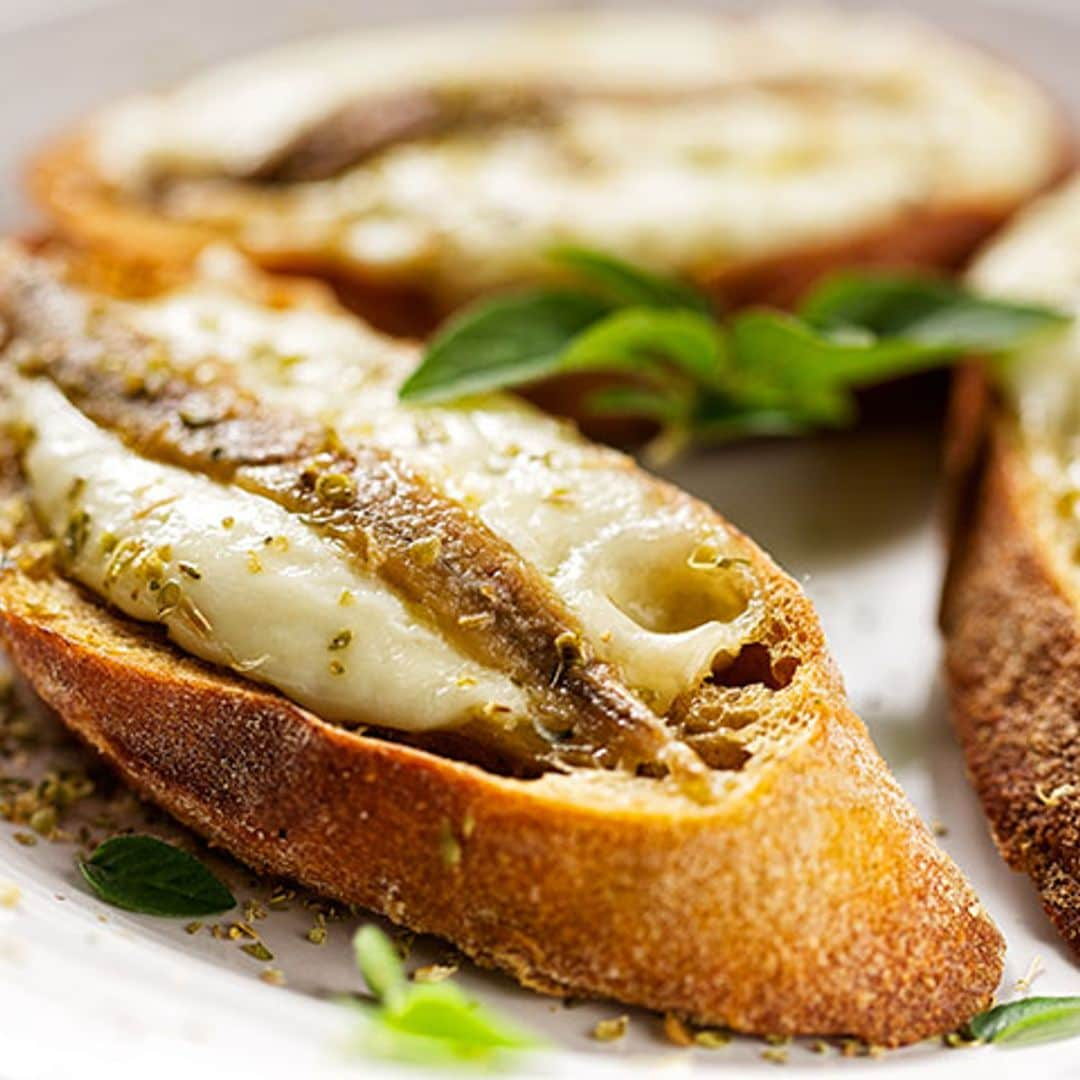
1039 259
684 141
240 582
661 587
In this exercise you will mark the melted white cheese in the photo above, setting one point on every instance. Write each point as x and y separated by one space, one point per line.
890 116
1038 259
632 560
168 546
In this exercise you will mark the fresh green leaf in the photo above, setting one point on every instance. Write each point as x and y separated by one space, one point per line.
651 404
144 874
426 1023
504 342
1029 1020
628 284
443 1011
641 338
786 352
924 311
381 965
768 372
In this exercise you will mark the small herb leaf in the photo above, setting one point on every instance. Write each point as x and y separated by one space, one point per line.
924 311
147 875
380 965
628 284
766 372
504 342
642 338
787 352
443 1011
1028 1021
429 1023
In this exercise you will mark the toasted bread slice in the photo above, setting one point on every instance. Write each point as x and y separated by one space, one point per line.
419 166
1011 610
730 847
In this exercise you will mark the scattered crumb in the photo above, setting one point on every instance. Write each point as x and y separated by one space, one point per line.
193 927
1052 798
612 1029
819 1046
939 828
258 950
433 973
676 1031
711 1039
10 894
24 838
778 1055
280 899
253 910
272 975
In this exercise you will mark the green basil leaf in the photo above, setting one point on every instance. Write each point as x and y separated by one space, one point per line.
641 338
768 372
720 420
504 342
655 404
144 874
1028 1021
443 1011
426 1023
628 284
925 311
381 965
780 350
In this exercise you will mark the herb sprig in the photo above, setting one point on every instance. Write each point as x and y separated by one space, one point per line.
760 372
1028 1021
426 1023
149 876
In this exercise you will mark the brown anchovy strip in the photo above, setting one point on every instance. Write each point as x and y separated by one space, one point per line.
361 129
474 586
365 127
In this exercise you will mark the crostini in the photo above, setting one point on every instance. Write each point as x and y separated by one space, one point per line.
455 664
417 167
1011 611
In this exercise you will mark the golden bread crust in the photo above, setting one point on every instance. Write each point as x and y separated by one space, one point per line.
65 183
852 922
1013 657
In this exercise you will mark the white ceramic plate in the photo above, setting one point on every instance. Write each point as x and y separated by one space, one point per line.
88 989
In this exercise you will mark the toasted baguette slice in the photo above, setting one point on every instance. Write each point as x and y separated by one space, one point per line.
423 165
1011 610
737 852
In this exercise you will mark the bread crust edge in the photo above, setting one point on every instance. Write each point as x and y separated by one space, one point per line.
66 185
851 923
1012 634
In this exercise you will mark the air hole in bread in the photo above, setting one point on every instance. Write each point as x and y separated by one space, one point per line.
719 751
754 665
